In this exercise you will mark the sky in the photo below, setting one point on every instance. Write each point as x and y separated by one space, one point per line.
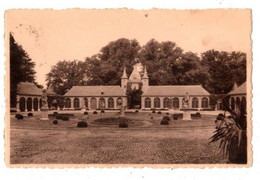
49 36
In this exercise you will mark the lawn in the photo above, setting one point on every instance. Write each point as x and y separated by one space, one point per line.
145 141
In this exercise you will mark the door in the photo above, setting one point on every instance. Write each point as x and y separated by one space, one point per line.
93 103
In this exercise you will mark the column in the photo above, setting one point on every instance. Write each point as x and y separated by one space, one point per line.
72 103
142 103
17 103
180 102
97 98
115 102
32 103
106 102
199 105
152 102
161 102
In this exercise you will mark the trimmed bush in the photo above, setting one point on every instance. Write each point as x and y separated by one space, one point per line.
86 113
166 118
198 114
16 116
94 112
102 111
30 114
64 118
159 112
153 111
220 117
167 113
123 125
164 122
136 111
220 114
175 118
55 121
82 124
58 117
55 113
20 116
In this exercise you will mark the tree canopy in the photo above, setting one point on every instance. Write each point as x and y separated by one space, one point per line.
166 64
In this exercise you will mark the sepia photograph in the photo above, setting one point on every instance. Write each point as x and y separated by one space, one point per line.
126 87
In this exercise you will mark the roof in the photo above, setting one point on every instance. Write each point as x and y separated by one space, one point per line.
239 90
95 91
178 90
27 88
135 75
50 91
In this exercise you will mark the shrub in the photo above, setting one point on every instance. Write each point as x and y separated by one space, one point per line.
20 116
55 113
30 114
151 117
16 116
220 114
55 121
220 117
58 117
153 111
198 114
82 124
123 125
94 112
175 118
64 118
136 111
159 112
164 122
166 118
167 113
102 111
86 113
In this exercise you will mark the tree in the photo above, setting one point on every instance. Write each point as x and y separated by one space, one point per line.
107 66
134 95
159 59
66 74
225 68
21 68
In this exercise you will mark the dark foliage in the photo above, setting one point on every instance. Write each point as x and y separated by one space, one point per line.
30 114
86 113
16 116
164 122
55 121
94 112
166 118
123 125
136 111
102 111
65 118
55 113
159 112
153 111
82 124
19 117
175 117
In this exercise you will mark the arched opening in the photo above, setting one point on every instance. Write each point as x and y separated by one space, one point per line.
233 103
22 104
119 102
147 103
67 103
204 102
157 102
238 103
195 102
243 105
102 103
86 102
76 102
93 103
166 103
29 104
110 103
35 104
175 103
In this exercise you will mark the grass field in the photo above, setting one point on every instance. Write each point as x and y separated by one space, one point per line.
145 141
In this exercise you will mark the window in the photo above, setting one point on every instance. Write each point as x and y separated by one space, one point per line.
166 102
175 103
119 101
76 103
147 103
157 103
68 103
102 104
195 102
204 102
110 102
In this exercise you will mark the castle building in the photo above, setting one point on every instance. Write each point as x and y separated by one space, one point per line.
153 97
238 96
